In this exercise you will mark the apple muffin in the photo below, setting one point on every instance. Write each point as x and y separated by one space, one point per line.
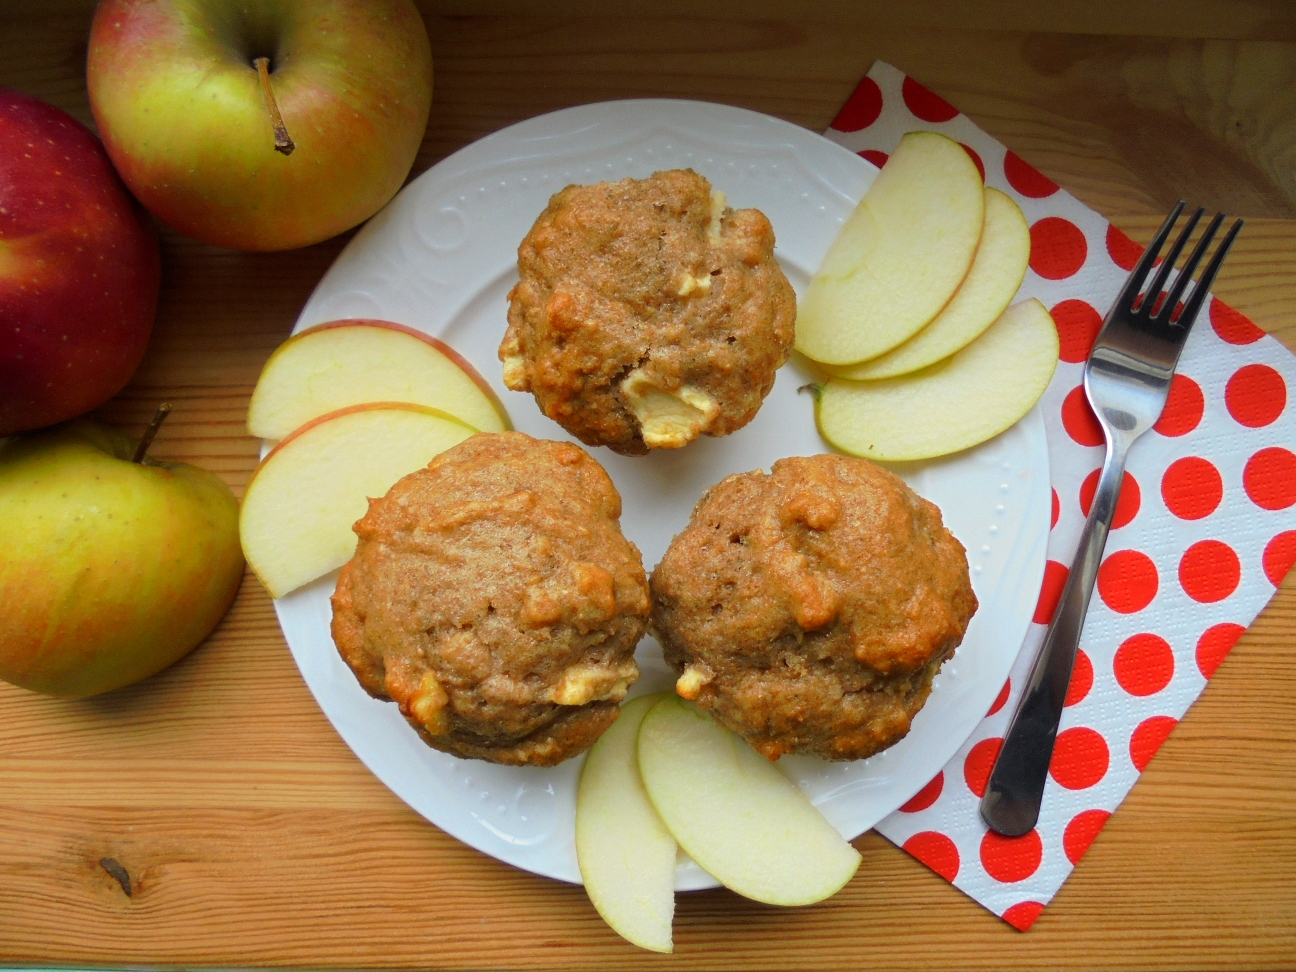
809 609
493 597
647 313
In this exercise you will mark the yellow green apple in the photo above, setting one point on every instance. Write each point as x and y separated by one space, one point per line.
351 362
264 125
112 569
304 497
900 255
952 405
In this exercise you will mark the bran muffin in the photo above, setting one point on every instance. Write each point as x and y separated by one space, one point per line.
493 597
809 609
648 313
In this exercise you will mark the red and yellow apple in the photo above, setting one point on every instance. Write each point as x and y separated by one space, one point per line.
112 569
79 269
191 121
351 362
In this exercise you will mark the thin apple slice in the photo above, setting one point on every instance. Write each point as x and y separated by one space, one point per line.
625 852
296 517
952 405
744 822
351 362
991 283
899 256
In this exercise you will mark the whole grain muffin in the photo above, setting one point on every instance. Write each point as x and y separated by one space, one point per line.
810 609
493 597
648 313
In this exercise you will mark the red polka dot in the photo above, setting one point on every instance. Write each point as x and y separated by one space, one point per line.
1079 420
1127 581
1080 758
927 105
1144 664
873 155
1127 505
1269 478
1023 914
1192 488
1279 556
1055 576
1010 859
1214 645
1123 251
1255 395
1057 509
1147 739
1027 179
1081 679
1077 325
980 761
1058 248
1081 831
936 851
862 109
1209 571
976 159
1001 698
1232 326
925 797
1183 409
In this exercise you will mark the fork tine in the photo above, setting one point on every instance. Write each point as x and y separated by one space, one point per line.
1185 275
1198 296
1154 288
1134 283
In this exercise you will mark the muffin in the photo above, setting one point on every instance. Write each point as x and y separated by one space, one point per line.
493 597
648 313
809 609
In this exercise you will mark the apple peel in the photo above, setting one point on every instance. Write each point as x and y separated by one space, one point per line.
299 507
735 813
952 405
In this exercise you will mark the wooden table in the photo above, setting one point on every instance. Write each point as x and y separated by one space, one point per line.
253 837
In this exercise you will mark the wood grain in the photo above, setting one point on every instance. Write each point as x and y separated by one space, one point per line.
253 837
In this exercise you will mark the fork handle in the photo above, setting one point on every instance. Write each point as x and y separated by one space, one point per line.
1011 803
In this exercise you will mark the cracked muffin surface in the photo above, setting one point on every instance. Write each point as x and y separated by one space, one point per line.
809 609
648 313
493 597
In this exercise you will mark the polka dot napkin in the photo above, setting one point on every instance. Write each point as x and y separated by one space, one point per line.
1204 532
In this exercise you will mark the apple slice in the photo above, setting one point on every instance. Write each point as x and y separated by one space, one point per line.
625 852
351 362
900 255
991 283
952 405
297 512
744 822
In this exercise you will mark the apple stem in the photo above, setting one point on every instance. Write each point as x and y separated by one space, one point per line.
283 142
813 388
151 432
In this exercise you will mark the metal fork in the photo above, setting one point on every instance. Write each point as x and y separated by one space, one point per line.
1127 380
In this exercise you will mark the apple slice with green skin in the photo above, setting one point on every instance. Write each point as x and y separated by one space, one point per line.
304 497
744 822
953 405
899 257
625 852
991 283
351 362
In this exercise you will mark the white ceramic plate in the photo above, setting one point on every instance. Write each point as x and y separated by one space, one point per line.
442 257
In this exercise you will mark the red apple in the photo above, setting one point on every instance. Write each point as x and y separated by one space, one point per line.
190 119
79 269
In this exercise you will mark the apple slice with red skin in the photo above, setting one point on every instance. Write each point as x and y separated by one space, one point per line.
350 362
299 507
